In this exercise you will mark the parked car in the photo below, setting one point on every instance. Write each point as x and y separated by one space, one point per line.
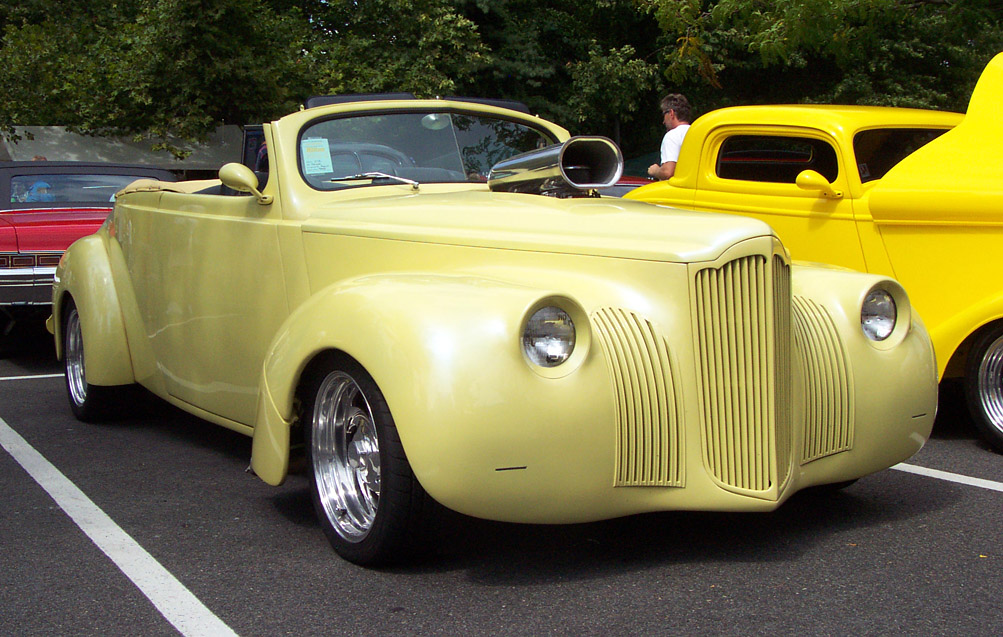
941 215
883 190
398 297
46 207
625 184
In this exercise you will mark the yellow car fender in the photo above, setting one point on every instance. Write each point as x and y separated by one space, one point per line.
819 294
84 274
949 335
415 334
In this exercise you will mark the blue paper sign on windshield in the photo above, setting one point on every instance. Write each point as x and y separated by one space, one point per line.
316 156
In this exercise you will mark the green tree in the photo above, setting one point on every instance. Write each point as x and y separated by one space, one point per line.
921 53
180 68
587 65
154 68
610 87
420 46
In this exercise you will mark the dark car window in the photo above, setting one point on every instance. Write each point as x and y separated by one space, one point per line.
68 188
774 158
879 149
424 146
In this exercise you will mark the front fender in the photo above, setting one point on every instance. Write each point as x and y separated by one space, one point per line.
885 431
84 274
949 335
415 334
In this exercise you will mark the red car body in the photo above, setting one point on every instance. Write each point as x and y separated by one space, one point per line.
44 207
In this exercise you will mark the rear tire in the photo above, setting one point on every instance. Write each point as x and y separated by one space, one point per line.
89 403
367 499
984 385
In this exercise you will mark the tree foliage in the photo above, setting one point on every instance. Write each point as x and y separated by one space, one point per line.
156 68
162 68
421 46
920 53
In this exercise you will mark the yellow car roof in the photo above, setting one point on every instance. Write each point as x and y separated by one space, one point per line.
827 116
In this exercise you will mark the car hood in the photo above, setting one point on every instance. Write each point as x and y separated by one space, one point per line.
591 226
8 236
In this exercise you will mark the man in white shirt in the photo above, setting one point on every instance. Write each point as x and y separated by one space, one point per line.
676 115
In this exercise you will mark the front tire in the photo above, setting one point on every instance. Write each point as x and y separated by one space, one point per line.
89 403
984 385
367 499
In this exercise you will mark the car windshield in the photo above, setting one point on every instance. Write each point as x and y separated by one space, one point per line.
67 188
420 146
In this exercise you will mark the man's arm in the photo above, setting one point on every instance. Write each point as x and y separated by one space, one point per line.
662 171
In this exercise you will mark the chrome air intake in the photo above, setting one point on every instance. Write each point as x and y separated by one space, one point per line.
572 169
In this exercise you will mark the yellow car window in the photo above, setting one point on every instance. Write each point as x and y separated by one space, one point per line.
775 158
878 149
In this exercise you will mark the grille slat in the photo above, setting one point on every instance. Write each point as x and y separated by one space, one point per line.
782 396
649 449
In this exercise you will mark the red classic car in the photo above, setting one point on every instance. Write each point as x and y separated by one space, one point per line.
45 207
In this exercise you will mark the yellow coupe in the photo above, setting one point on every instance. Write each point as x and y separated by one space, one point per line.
429 299
905 193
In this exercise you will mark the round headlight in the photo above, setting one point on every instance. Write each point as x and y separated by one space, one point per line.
878 315
549 337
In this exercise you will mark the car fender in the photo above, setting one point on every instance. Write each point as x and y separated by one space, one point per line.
948 336
85 274
413 333
835 297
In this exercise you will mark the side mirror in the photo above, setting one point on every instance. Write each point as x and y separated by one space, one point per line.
242 179
811 180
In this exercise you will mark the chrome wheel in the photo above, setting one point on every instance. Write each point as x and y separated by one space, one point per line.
990 384
76 378
369 503
345 454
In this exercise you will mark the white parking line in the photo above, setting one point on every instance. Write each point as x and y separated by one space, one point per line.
175 602
33 377
950 477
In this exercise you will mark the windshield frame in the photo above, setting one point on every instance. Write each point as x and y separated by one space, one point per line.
547 135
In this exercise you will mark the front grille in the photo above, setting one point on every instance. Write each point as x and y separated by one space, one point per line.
828 426
649 440
743 345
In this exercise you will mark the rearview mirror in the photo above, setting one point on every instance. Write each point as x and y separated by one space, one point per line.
811 180
242 179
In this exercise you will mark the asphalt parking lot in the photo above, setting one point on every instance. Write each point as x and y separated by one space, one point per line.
150 525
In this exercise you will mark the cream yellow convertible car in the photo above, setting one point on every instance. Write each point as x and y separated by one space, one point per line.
428 299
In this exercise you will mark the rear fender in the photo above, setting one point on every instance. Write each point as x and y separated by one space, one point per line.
84 274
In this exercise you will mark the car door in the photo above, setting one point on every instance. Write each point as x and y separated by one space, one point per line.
211 292
753 170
